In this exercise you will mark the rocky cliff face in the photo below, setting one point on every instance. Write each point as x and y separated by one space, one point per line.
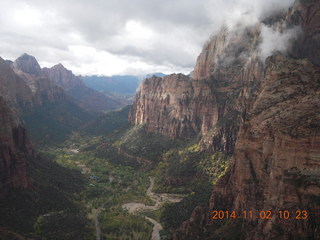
265 112
13 88
211 103
86 97
306 14
14 152
277 156
276 161
43 90
27 64
46 110
174 106
207 59
62 76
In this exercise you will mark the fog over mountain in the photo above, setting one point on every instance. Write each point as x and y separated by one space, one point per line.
121 37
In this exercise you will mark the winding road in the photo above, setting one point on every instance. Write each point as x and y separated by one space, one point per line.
159 199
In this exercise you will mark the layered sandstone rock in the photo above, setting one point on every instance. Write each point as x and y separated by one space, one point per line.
277 158
207 59
276 162
267 113
174 106
278 152
182 107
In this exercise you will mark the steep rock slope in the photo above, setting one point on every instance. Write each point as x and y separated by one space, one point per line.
14 152
47 111
62 76
265 112
276 164
172 105
14 89
179 106
43 91
276 160
74 86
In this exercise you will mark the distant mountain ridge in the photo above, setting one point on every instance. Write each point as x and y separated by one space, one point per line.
119 84
37 102
74 86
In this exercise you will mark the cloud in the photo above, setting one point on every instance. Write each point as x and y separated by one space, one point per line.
166 35
273 40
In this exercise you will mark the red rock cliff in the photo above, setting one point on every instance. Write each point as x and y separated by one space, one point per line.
179 106
277 155
14 152
268 114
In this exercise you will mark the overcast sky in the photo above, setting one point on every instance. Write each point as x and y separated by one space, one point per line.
109 37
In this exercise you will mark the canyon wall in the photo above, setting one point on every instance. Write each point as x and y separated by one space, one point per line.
179 106
15 150
276 163
266 112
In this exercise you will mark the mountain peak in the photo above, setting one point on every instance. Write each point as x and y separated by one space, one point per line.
59 65
62 76
62 69
27 64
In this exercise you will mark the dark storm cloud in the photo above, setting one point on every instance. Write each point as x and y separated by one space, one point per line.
146 34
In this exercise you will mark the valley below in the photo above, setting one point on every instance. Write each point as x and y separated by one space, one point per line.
115 195
239 133
158 200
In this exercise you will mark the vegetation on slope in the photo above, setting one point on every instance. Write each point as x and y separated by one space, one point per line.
53 122
49 209
107 123
116 159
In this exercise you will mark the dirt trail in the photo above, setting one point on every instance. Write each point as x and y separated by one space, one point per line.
159 199
156 229
97 223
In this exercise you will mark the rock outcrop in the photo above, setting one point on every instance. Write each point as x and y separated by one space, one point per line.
206 61
85 97
277 159
27 64
266 113
14 89
277 154
14 152
43 90
44 108
306 14
62 77
211 105
174 106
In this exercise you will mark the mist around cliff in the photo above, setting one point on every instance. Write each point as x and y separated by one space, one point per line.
273 40
237 21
